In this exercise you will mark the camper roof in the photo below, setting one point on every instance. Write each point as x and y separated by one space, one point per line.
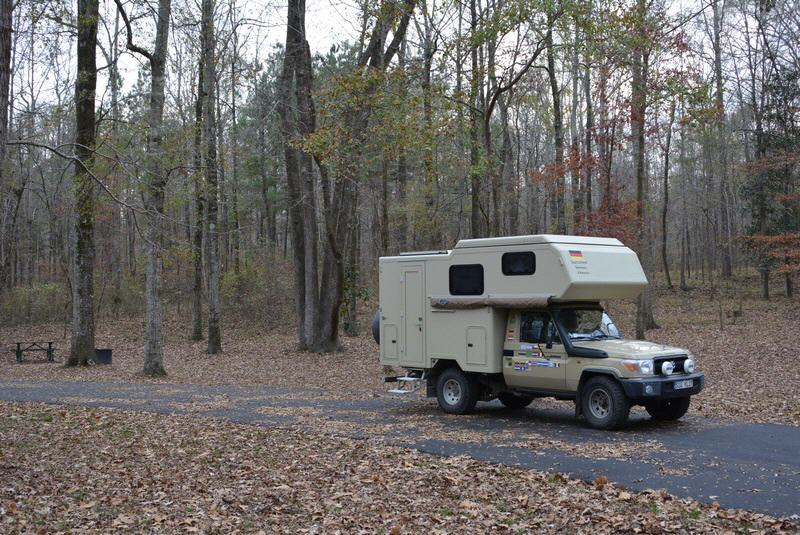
537 238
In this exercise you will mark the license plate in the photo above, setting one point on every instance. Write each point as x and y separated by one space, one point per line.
680 385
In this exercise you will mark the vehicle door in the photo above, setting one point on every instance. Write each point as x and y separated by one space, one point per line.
534 356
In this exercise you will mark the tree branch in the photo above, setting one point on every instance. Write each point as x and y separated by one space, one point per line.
130 44
57 151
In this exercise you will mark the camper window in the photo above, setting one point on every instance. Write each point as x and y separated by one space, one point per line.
522 263
466 279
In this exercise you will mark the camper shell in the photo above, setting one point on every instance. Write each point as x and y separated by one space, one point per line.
493 312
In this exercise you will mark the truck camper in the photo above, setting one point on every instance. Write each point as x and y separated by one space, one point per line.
517 318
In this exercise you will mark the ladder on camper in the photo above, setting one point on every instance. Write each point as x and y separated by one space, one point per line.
406 384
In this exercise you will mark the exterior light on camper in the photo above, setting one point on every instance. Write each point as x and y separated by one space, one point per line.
688 366
668 367
643 367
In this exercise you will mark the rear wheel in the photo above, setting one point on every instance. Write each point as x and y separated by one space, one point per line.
604 403
668 409
456 392
514 401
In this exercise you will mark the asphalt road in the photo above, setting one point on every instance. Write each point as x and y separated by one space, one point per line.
740 465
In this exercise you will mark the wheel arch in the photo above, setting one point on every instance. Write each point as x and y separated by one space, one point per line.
587 374
433 373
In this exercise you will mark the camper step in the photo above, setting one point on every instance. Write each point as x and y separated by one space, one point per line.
408 379
401 379
407 384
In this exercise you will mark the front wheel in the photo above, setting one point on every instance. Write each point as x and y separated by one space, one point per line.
514 401
456 392
604 403
668 409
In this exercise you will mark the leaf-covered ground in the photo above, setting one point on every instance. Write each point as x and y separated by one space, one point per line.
72 469
750 363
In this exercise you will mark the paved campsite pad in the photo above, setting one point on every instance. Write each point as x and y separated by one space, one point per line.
740 465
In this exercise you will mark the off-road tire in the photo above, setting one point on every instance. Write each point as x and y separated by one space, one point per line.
456 392
514 401
604 403
668 409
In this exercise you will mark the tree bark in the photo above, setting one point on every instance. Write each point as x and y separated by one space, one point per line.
289 131
665 206
725 239
558 137
154 358
199 202
210 131
476 228
644 309
82 349
589 132
156 181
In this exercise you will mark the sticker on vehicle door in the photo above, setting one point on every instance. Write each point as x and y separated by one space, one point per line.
546 364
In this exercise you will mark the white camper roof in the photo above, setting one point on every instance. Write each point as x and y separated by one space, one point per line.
537 239
566 268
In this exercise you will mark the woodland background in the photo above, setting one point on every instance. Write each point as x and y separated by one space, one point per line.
224 175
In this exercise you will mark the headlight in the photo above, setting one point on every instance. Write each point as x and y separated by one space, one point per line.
688 366
643 367
667 367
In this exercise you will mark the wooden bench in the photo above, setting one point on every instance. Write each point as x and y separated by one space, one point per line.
23 347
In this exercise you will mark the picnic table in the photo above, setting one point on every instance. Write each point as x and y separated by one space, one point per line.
23 347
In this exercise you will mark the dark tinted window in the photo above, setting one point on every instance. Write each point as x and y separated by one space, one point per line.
523 263
466 279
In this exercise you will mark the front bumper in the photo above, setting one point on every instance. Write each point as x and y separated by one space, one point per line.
653 388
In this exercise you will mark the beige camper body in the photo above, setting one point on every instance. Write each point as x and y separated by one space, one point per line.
422 321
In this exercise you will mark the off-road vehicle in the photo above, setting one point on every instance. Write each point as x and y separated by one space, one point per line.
519 318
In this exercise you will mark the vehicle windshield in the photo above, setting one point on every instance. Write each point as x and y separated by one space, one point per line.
588 324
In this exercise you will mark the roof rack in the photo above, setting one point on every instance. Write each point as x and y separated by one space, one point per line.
422 253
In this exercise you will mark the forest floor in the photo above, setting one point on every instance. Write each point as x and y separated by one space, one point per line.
746 346
78 469
99 470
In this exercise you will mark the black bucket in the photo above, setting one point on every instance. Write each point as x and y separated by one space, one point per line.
103 356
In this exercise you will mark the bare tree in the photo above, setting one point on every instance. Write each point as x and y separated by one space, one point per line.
156 182
210 131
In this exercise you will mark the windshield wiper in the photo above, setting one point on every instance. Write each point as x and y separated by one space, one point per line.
591 337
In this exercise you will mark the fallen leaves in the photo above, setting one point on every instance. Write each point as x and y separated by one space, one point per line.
600 482
206 476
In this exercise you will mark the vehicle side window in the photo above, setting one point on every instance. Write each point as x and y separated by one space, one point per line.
535 326
521 263
466 279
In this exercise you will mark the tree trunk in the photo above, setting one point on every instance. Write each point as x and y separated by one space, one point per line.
432 236
644 309
236 242
82 342
476 229
289 130
589 132
665 207
6 13
574 150
725 242
558 137
6 230
210 130
199 201
156 182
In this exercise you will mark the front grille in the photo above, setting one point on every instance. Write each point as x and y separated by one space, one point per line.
678 360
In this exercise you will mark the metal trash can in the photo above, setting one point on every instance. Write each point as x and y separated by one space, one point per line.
103 356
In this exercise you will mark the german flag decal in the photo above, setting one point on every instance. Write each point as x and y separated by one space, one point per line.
576 256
